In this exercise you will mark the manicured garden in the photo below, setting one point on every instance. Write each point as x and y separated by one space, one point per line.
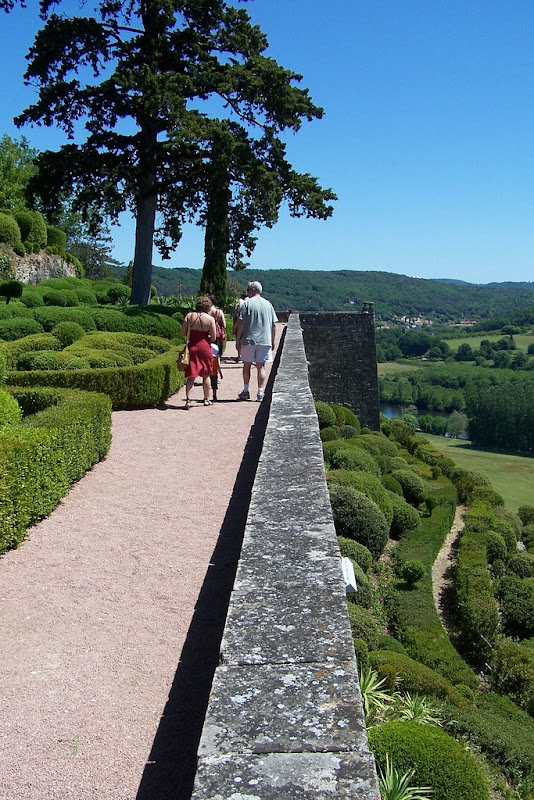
393 499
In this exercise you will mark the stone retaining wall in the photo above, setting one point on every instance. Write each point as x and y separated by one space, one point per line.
285 718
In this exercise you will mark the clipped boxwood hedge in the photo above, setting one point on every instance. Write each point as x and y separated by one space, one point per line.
138 386
63 434
416 678
438 760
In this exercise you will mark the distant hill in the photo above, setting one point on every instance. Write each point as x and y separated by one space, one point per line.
344 290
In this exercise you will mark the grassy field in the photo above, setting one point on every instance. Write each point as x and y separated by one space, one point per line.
522 341
393 368
511 476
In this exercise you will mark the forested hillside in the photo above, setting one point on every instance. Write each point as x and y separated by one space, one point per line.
344 290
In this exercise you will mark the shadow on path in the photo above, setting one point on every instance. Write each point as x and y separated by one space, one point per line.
170 770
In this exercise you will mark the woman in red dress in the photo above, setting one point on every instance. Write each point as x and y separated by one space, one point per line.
202 334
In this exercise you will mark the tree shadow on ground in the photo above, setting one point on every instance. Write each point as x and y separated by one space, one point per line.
170 770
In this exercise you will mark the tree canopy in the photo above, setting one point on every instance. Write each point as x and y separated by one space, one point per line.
134 86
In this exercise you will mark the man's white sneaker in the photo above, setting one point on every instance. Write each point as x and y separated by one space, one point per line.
260 395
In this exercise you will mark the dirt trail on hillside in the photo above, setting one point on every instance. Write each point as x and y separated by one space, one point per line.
112 608
442 567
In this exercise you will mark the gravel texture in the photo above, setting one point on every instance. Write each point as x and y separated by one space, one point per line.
112 609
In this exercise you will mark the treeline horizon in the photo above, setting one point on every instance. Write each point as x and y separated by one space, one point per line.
346 290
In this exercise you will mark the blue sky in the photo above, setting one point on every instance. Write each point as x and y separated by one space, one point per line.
427 138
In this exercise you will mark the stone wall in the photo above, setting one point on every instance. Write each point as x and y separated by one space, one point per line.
285 718
36 267
341 351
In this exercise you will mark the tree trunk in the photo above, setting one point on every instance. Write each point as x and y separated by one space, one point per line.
144 242
217 236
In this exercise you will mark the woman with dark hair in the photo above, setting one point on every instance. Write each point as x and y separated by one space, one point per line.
220 328
201 327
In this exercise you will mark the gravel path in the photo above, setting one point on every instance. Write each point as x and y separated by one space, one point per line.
441 570
113 607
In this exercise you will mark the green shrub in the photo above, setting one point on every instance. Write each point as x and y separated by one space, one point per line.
68 333
381 444
405 517
353 458
15 310
363 596
495 547
329 434
512 673
475 602
10 411
392 485
39 341
366 483
118 293
363 625
51 316
487 495
144 385
41 359
508 534
62 435
526 514
85 296
357 517
61 297
32 299
527 534
522 564
356 552
149 322
348 431
438 760
412 571
344 416
77 363
432 647
387 642
9 230
466 481
325 415
56 238
413 487
18 327
32 228
416 677
362 654
517 605
501 730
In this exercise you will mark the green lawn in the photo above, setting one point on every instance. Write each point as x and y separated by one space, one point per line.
393 368
522 341
511 476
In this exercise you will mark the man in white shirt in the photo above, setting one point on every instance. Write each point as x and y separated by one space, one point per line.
255 337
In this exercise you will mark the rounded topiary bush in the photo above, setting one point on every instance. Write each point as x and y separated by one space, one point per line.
405 517
508 533
526 514
329 434
413 487
362 654
386 642
495 547
356 552
517 605
60 297
9 230
32 299
392 485
77 363
381 443
367 483
487 495
39 359
32 228
325 414
359 518
363 596
527 534
10 411
118 293
439 760
411 571
414 676
68 332
348 431
354 458
56 238
51 316
18 327
362 625
522 564
344 416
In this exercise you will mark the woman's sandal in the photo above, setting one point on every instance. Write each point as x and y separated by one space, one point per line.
207 402
187 405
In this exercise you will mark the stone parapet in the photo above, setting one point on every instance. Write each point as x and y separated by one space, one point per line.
36 267
285 717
